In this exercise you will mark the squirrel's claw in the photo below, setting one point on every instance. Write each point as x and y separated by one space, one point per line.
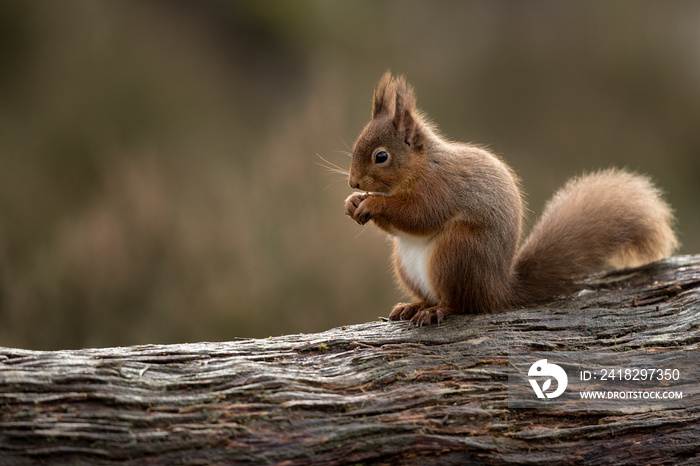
420 313
404 311
428 316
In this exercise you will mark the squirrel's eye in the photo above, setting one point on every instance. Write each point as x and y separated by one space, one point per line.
381 157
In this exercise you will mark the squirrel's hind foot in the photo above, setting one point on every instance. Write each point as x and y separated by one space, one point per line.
404 311
433 314
420 313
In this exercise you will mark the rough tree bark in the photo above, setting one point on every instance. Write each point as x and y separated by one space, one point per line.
382 392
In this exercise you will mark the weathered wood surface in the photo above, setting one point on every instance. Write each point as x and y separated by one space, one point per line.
381 392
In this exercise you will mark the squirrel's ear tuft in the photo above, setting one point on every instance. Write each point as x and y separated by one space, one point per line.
382 103
406 114
394 98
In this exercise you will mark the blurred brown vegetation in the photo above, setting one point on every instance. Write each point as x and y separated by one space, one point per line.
158 160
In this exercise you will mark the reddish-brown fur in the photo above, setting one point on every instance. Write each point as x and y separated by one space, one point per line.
455 211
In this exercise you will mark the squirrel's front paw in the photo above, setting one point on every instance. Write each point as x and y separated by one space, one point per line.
358 208
363 214
352 202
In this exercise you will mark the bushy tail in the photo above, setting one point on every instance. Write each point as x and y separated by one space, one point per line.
609 219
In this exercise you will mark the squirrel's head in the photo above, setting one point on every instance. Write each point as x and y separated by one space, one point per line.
388 152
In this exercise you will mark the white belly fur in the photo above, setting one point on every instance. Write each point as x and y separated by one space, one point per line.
414 254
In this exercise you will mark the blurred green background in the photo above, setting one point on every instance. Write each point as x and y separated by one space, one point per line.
159 177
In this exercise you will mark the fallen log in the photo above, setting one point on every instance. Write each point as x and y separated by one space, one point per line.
380 393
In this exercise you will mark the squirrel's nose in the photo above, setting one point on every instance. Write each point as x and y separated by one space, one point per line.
353 182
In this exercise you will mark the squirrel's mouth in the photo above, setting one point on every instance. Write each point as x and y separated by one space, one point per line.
373 188
368 183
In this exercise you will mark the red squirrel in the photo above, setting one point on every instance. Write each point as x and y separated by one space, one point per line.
455 213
